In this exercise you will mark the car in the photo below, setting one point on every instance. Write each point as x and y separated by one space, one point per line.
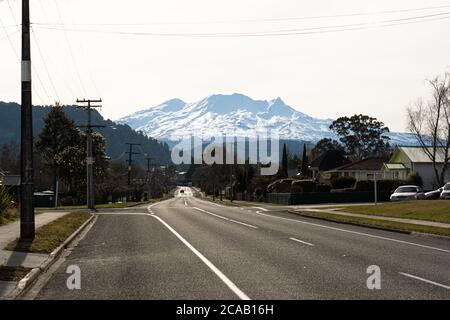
445 194
408 193
433 195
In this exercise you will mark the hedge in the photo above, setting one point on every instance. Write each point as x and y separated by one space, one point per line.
343 182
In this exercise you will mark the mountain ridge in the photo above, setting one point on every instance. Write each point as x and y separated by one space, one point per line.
234 115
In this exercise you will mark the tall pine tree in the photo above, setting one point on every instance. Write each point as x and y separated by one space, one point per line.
284 163
305 163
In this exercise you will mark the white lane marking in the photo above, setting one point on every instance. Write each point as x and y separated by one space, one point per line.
185 203
121 213
225 218
355 232
260 208
211 266
424 280
304 242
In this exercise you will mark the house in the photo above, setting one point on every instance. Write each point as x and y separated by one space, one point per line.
326 161
361 170
415 159
9 180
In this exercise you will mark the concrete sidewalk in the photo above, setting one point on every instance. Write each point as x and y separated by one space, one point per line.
11 232
377 217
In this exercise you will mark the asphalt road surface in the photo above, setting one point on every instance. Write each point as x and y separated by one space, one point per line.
187 248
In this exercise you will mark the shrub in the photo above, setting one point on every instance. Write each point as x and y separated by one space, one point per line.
323 188
301 186
280 186
5 202
67 201
342 190
382 185
258 192
343 182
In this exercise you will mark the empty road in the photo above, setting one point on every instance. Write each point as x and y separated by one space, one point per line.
188 248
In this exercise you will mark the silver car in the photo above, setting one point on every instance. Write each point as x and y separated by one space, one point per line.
408 193
445 194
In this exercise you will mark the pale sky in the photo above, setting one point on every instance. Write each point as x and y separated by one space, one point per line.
376 70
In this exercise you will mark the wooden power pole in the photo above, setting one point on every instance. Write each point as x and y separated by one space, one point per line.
27 227
89 159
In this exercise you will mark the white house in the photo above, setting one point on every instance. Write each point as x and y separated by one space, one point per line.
406 160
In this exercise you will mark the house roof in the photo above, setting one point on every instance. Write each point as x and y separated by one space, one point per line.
368 164
418 155
328 160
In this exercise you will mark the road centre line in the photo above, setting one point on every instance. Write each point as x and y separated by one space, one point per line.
208 263
225 218
301 241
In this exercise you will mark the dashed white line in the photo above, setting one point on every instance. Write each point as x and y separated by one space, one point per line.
355 232
424 280
208 263
225 218
301 241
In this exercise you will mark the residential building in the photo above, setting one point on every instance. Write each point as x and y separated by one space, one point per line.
361 170
407 160
326 161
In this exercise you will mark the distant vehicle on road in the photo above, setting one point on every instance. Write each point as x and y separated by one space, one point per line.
408 193
433 195
445 195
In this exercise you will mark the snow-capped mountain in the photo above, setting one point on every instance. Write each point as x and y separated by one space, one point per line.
233 115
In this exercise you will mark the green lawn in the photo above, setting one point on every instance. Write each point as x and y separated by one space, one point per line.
50 236
431 210
376 223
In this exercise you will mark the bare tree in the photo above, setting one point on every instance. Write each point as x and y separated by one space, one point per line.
430 123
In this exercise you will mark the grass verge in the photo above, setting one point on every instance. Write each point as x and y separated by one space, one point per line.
52 235
98 206
13 273
379 223
431 210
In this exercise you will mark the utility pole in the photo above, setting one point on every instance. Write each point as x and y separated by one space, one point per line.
149 159
89 158
27 227
130 158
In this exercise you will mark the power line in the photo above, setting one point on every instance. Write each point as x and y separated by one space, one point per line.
300 31
17 55
70 48
286 19
8 36
87 58
58 44
45 64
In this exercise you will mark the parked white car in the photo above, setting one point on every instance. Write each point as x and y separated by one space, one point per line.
408 193
445 194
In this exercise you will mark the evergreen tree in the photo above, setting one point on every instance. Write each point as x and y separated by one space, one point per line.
305 163
59 134
284 163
